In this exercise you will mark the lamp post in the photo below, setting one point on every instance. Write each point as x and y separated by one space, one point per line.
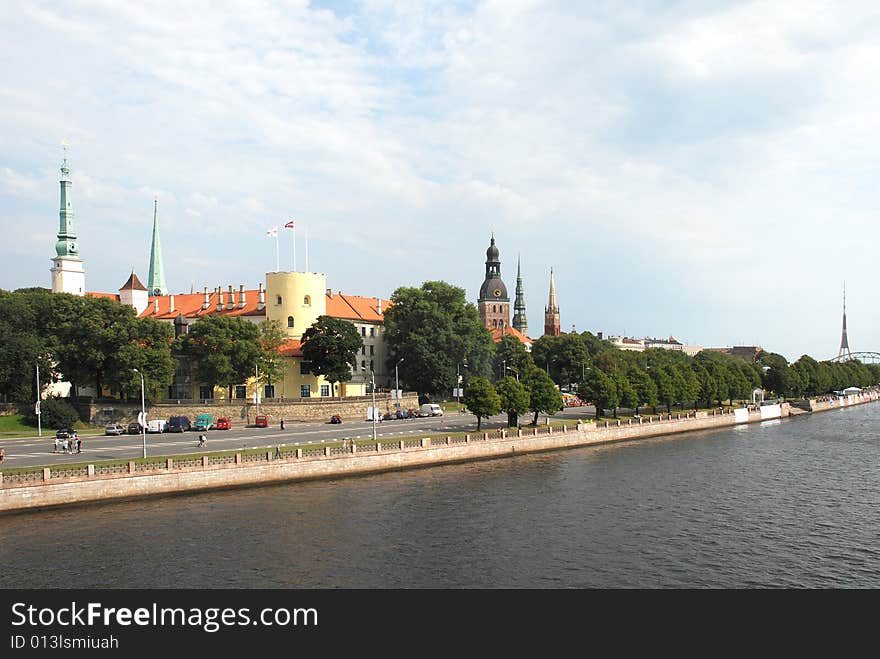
397 383
373 389
515 372
37 406
143 418
458 383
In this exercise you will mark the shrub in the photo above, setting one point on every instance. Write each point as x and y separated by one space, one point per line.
56 412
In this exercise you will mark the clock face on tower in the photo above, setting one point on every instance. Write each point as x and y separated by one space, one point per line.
497 292
71 246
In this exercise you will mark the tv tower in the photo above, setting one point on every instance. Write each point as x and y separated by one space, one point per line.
844 353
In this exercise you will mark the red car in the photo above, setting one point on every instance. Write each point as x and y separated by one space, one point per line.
223 423
262 421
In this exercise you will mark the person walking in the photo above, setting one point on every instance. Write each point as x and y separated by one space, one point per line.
2 455
79 445
282 424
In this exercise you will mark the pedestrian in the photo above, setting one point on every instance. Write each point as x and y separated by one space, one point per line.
2 455
282 424
57 445
64 445
79 445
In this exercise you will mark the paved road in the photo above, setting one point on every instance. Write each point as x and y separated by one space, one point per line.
32 451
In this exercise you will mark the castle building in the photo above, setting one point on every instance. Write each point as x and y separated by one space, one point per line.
493 303
552 325
68 274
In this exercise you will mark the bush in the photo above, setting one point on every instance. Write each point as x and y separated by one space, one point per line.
56 413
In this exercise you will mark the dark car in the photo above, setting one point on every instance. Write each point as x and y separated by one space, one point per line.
178 424
335 419
66 433
134 428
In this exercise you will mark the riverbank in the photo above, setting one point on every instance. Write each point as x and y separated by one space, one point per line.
63 486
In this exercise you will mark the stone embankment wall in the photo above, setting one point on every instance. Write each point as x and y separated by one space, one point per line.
301 409
212 472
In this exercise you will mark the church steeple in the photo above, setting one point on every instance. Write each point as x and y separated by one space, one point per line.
156 280
68 275
552 325
520 323
493 303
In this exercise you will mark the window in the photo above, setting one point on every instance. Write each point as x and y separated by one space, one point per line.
325 389
240 391
494 308
305 391
206 393
363 331
269 391
307 301
290 321
363 365
371 350
278 299
371 364
363 350
304 367
372 331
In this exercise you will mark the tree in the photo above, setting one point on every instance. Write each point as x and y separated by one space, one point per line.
600 389
646 390
331 346
776 377
435 329
564 357
626 393
510 353
665 386
223 350
55 412
482 399
148 349
514 399
272 337
543 394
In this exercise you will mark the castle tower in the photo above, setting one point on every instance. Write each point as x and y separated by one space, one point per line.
844 353
552 325
156 280
134 294
493 303
520 323
295 300
68 275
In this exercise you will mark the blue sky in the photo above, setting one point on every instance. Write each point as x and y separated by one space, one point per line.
701 170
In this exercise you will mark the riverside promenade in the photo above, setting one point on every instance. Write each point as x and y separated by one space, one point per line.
34 489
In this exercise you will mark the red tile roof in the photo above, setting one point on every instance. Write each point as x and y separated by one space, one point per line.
134 283
291 348
109 296
498 334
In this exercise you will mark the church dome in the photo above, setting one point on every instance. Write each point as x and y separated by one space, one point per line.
494 289
492 254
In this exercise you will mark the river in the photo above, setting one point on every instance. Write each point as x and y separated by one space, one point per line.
783 504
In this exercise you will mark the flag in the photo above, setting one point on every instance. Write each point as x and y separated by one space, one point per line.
273 232
289 225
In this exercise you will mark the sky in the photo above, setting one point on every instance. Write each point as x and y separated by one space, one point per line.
701 170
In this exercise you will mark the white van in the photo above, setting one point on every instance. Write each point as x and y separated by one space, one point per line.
156 425
430 409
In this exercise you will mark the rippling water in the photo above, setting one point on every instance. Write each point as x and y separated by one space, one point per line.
792 503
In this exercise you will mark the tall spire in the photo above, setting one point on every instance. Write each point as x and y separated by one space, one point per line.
844 352
552 325
520 323
156 280
68 275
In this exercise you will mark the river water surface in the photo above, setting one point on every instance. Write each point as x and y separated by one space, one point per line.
784 503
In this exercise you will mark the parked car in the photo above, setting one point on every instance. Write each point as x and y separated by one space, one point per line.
66 433
430 409
204 421
156 425
178 424
134 428
261 421
335 419
114 429
224 423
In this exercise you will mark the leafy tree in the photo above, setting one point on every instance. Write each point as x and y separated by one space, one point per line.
55 412
626 393
435 329
148 349
645 389
564 357
601 390
272 337
223 350
776 377
543 394
331 346
482 399
511 353
514 399
666 390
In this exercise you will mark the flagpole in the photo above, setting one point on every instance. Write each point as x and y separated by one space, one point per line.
294 248
277 259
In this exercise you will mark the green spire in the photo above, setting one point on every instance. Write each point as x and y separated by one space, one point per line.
519 306
66 245
156 281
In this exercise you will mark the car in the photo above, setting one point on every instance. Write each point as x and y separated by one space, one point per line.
156 425
261 421
114 429
66 433
134 428
335 419
430 409
224 423
204 421
178 424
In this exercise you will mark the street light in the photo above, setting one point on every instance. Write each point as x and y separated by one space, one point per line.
143 418
458 382
373 388
511 368
397 383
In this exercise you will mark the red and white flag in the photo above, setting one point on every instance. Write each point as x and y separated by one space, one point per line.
289 225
